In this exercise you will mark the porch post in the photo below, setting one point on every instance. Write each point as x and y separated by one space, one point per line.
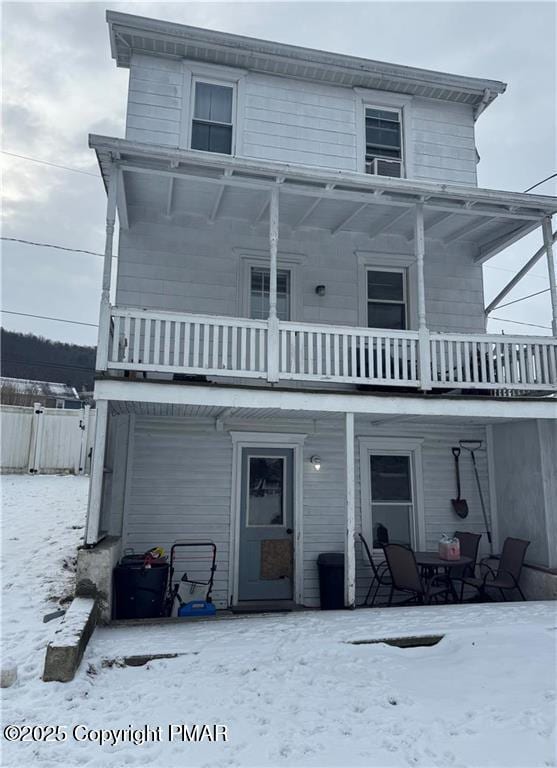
97 472
548 244
104 315
273 324
423 333
349 544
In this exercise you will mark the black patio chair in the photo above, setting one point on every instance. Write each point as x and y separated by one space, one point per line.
469 545
406 577
507 576
380 577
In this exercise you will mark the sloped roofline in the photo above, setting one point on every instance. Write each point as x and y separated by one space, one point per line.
130 33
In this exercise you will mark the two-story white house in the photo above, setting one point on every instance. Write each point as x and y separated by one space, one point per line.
292 331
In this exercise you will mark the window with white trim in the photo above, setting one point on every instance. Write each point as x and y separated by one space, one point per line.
212 118
387 305
392 498
383 141
259 293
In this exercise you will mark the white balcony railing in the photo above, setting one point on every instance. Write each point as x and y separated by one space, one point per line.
208 345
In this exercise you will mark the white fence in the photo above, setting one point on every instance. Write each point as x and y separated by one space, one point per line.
43 440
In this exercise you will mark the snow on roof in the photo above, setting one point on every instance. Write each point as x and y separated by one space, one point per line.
44 388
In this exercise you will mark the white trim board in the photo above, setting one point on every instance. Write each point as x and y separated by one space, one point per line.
400 445
241 440
325 402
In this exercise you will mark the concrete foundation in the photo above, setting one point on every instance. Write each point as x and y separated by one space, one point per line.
94 574
65 651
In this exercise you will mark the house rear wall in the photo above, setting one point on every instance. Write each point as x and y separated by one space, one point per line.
180 484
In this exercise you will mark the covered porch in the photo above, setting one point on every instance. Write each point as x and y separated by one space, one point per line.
315 225
177 457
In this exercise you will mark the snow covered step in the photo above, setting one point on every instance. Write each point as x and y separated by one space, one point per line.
65 650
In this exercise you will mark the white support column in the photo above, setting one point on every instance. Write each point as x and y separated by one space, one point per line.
548 244
349 544
273 329
104 315
423 333
97 473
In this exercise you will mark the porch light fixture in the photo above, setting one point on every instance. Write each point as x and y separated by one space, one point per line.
316 461
320 290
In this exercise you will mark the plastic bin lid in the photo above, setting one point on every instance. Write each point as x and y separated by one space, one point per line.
331 558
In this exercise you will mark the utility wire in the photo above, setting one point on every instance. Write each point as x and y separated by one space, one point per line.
46 317
523 298
50 245
45 162
553 175
519 322
49 364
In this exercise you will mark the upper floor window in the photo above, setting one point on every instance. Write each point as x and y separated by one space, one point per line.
259 293
386 299
383 129
211 129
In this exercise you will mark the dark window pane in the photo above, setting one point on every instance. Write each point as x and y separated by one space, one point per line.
382 114
390 478
391 524
266 481
213 103
200 136
386 286
390 316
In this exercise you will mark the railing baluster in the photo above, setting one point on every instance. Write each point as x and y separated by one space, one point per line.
261 361
136 339
515 378
126 355
147 342
378 359
467 375
282 363
176 350
319 353
413 357
216 347
538 378
311 368
115 357
522 379
187 332
166 325
196 340
252 362
224 352
553 363
474 362
234 348
243 349
301 352
157 344
507 363
451 362
545 361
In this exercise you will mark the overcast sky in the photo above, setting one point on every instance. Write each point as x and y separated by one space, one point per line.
59 84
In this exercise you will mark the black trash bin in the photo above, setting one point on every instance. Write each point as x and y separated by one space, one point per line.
139 591
331 580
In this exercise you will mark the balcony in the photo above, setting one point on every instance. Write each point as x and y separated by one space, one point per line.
214 346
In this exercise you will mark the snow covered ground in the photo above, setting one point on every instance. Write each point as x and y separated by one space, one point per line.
291 689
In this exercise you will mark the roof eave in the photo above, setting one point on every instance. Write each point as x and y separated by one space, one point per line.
484 90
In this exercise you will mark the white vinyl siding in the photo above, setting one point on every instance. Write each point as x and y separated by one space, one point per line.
181 475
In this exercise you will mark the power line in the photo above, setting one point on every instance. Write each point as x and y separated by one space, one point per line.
45 162
49 364
519 322
45 317
514 271
553 175
522 298
50 245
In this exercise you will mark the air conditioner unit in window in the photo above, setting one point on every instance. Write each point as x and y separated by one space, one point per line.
380 166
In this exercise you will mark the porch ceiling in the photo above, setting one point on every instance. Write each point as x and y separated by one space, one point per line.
179 184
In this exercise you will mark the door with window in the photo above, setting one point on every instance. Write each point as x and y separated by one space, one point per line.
265 566
392 499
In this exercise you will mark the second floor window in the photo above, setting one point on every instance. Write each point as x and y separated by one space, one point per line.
386 299
383 142
259 293
211 129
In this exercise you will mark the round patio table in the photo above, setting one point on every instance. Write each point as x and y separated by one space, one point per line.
432 562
